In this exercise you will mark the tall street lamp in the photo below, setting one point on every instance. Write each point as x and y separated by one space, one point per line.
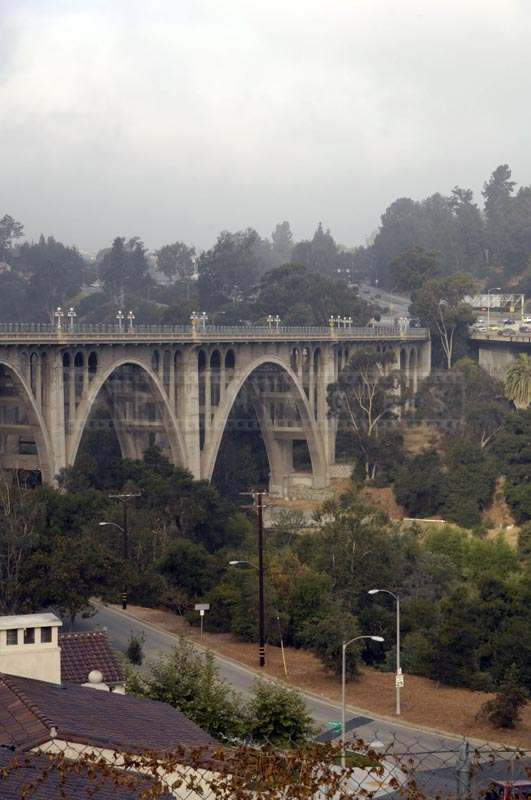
494 289
343 688
398 678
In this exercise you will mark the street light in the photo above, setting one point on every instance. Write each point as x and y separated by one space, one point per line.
494 289
120 318
398 678
343 688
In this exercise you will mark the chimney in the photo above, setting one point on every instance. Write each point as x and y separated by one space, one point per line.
29 646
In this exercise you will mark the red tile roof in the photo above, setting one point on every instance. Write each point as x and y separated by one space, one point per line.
22 771
83 652
30 709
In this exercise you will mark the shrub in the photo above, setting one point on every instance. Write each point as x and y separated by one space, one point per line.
135 649
278 716
503 711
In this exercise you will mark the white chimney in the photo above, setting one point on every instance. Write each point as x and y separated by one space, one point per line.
29 646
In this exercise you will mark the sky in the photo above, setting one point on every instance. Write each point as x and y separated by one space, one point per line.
176 119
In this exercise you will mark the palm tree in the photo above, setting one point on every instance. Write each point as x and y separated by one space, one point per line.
518 381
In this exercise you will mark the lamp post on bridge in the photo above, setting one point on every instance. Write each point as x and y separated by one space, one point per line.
59 314
71 316
130 319
120 318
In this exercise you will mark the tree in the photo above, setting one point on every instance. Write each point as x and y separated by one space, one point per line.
421 485
135 650
504 710
326 639
9 229
365 394
301 297
470 482
282 243
124 268
278 716
230 269
320 255
188 566
518 381
411 269
439 304
189 681
176 260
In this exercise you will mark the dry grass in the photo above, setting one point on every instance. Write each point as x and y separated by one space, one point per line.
423 702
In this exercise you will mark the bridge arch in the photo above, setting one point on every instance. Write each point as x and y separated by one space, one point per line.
308 422
169 419
36 419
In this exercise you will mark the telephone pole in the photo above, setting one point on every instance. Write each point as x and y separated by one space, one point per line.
124 500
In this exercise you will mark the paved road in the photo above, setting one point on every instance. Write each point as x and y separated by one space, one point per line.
435 756
120 626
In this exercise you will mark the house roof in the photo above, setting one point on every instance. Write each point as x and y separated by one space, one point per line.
74 784
30 621
30 710
83 652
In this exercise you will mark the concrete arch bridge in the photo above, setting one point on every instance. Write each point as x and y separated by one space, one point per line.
175 386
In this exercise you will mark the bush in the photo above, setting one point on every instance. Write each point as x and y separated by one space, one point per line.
524 541
503 711
188 680
135 649
326 638
278 716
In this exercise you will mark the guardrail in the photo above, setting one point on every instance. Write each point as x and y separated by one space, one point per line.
86 332
524 338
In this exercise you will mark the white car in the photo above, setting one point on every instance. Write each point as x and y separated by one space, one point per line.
527 320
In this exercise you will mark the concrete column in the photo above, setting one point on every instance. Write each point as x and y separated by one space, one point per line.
190 412
311 386
86 379
171 396
71 395
208 404
55 409
222 380
327 427
38 382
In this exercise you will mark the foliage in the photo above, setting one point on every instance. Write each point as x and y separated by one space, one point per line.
504 710
325 638
135 650
518 381
524 541
189 681
365 394
277 716
420 485
411 269
176 261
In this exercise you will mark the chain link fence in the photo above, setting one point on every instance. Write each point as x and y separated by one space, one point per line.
387 766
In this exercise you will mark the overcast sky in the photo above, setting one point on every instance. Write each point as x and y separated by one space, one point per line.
174 119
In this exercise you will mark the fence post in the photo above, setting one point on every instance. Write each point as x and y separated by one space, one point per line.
462 774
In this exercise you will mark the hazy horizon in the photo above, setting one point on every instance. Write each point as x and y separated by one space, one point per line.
179 120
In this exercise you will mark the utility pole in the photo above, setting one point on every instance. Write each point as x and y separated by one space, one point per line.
261 598
124 499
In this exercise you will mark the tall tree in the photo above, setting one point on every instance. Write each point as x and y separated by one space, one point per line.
518 381
10 229
282 243
440 305
365 394
176 261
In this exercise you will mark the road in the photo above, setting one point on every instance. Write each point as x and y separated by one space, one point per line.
397 304
434 755
120 626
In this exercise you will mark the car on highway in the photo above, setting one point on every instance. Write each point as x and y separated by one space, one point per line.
524 329
414 322
508 321
527 320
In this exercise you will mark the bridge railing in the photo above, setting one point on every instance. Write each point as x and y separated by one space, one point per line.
25 331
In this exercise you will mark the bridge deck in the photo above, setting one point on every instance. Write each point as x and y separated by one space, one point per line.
513 338
18 333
